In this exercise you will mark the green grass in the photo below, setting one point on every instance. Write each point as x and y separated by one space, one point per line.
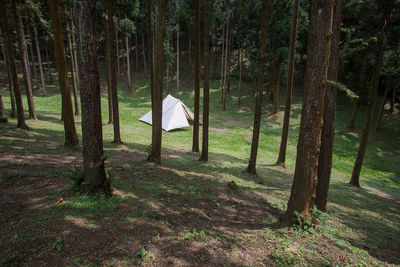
362 223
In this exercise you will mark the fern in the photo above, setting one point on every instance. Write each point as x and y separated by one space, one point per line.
344 88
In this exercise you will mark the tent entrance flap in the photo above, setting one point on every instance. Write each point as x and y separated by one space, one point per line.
175 114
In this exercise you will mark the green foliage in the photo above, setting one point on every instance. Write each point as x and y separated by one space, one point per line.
144 255
345 89
126 26
195 234
76 177
57 245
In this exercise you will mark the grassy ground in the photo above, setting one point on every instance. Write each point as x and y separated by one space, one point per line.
183 212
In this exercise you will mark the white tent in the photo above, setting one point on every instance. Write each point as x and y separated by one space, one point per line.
175 114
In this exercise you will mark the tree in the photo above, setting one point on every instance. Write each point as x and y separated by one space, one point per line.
113 74
74 83
251 168
289 86
10 85
206 85
128 27
11 58
42 79
3 116
304 184
25 61
177 49
108 67
195 144
157 92
328 128
71 137
92 136
372 94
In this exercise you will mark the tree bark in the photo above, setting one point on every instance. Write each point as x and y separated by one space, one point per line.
25 62
277 87
114 77
13 67
305 177
289 86
195 144
229 55
206 85
144 54
10 85
3 116
92 136
328 128
372 94
251 168
155 155
33 63
42 78
137 46
128 64
117 46
108 67
75 54
226 64
74 85
71 137
177 55
393 100
382 106
222 63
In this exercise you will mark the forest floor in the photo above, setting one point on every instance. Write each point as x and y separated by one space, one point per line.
182 213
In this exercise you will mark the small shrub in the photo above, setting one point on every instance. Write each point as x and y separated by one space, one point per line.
76 178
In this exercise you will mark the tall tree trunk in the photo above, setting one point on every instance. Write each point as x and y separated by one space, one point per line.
108 67
226 64
75 53
305 177
206 77
3 116
92 136
5 28
372 94
195 144
222 63
251 168
271 91
393 100
229 56
42 78
212 58
74 86
190 53
240 75
177 57
277 87
155 155
128 64
33 63
382 107
25 61
289 85
117 47
108 4
137 47
71 137
144 54
328 128
352 121
10 85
